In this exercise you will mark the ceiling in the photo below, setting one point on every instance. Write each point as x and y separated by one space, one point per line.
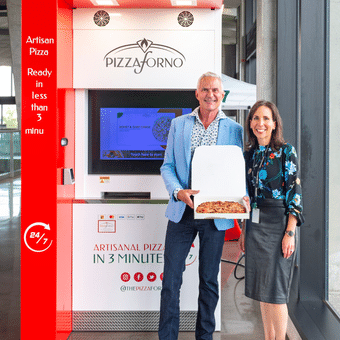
228 21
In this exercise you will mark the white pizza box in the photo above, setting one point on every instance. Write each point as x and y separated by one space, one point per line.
218 172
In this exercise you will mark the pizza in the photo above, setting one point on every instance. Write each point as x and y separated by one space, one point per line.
225 207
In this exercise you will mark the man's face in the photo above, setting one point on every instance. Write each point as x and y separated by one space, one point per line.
209 94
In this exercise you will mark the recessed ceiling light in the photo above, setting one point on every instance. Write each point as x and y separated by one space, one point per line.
184 2
115 14
105 2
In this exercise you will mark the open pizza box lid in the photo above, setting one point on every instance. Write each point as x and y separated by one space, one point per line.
218 172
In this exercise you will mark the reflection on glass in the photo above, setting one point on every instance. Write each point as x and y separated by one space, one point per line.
334 159
5 152
17 150
8 140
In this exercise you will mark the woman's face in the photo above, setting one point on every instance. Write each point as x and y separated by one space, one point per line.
262 125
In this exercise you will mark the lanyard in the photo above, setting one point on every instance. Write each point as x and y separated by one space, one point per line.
257 175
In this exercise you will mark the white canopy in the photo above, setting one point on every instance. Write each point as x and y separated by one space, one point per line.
239 94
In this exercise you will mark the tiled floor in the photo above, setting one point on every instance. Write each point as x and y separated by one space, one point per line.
240 315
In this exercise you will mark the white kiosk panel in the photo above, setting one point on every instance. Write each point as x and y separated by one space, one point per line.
136 50
145 49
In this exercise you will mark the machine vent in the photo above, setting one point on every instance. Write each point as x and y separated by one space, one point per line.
185 19
101 18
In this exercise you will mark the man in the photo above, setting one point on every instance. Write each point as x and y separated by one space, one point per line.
206 125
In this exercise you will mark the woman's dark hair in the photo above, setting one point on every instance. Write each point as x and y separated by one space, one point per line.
276 140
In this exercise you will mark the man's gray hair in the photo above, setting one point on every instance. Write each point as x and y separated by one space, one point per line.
209 74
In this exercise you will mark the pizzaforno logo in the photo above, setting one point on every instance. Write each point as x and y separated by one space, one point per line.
147 54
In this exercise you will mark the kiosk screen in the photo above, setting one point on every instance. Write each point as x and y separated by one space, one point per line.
135 133
128 130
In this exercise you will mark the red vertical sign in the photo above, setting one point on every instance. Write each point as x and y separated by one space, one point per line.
39 175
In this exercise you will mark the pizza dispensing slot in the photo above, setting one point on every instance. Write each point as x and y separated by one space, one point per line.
126 195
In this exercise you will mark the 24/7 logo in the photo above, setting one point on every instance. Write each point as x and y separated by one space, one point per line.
163 56
37 237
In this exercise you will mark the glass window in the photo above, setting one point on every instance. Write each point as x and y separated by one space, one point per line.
8 113
6 81
5 155
9 116
10 200
334 159
16 151
10 153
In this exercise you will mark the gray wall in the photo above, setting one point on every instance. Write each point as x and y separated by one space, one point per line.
304 85
302 98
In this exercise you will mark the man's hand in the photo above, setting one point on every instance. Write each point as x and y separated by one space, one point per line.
184 196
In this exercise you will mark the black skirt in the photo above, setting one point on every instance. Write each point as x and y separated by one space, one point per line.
268 275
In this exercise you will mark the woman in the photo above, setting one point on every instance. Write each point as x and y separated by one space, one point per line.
269 242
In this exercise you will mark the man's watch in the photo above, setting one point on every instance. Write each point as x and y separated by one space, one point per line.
175 193
290 233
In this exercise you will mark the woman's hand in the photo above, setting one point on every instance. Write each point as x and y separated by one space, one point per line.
288 246
288 242
247 202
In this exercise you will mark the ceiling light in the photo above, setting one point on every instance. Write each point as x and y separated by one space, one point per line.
105 2
184 2
115 14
